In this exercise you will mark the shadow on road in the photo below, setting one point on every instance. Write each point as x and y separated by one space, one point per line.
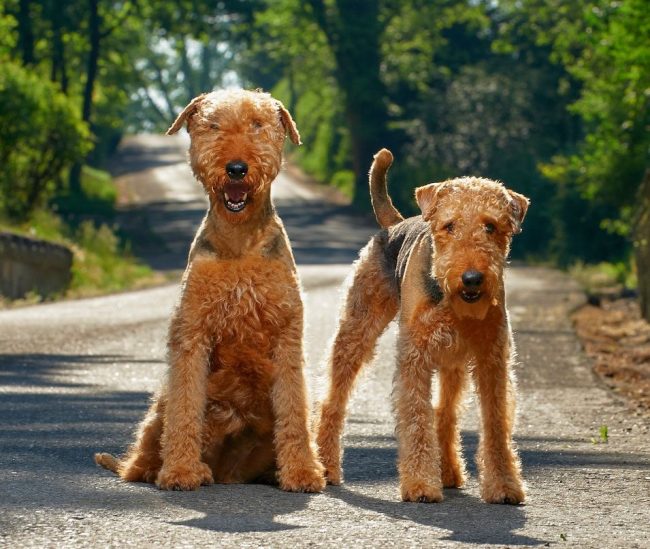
468 518
240 508
50 429
50 370
133 157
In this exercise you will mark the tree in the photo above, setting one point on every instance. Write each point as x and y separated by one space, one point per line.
41 135
353 29
608 54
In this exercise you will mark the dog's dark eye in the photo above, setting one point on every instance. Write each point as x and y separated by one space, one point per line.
214 126
256 124
449 227
490 228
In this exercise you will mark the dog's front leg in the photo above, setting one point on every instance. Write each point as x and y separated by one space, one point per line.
298 467
186 396
498 464
419 455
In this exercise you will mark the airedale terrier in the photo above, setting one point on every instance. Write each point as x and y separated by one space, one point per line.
233 407
443 272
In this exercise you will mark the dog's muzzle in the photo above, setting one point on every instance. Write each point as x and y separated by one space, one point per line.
472 281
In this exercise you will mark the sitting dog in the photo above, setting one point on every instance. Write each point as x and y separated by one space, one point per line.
233 407
443 273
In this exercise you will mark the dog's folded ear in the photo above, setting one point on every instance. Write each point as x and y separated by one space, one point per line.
428 196
289 124
518 208
185 114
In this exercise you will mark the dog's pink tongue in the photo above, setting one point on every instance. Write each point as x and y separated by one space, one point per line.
236 191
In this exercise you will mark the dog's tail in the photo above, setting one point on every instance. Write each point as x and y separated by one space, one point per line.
386 214
107 461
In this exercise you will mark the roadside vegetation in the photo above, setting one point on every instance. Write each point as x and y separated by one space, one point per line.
102 261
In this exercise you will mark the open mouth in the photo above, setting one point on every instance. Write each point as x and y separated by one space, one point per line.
470 296
235 205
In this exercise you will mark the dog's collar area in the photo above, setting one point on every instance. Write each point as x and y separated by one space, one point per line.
470 296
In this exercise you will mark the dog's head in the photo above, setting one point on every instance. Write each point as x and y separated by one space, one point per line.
236 147
472 222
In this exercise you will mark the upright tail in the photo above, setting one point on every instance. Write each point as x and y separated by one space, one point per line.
386 214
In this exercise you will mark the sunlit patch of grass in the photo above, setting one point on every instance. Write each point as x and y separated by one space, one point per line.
344 181
101 264
603 276
603 435
97 198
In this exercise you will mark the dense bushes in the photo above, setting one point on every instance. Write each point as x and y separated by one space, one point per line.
41 136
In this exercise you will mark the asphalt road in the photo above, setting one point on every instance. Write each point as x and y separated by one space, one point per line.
75 378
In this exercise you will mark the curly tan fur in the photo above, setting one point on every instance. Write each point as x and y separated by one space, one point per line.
416 267
233 407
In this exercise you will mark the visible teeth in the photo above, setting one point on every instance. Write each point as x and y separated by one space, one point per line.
235 206
226 196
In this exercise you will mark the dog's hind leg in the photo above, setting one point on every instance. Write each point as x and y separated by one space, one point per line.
371 303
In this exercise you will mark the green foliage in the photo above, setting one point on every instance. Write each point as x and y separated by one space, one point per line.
603 435
97 197
613 65
41 135
603 276
344 181
7 35
101 263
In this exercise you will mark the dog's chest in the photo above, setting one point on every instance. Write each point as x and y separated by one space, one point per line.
245 303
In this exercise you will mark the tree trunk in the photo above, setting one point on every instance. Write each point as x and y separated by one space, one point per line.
642 246
91 76
25 32
93 60
59 72
188 71
205 74
353 34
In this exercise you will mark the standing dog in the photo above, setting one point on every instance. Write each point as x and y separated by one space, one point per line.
443 272
234 406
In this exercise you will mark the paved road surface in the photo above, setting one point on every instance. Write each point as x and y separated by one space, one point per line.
75 378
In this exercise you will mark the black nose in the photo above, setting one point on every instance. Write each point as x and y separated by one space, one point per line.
237 169
472 279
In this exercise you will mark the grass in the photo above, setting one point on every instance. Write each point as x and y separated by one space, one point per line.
603 435
596 278
102 262
97 199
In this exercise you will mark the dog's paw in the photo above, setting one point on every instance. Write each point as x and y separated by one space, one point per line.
421 492
303 479
333 475
184 477
509 492
452 477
